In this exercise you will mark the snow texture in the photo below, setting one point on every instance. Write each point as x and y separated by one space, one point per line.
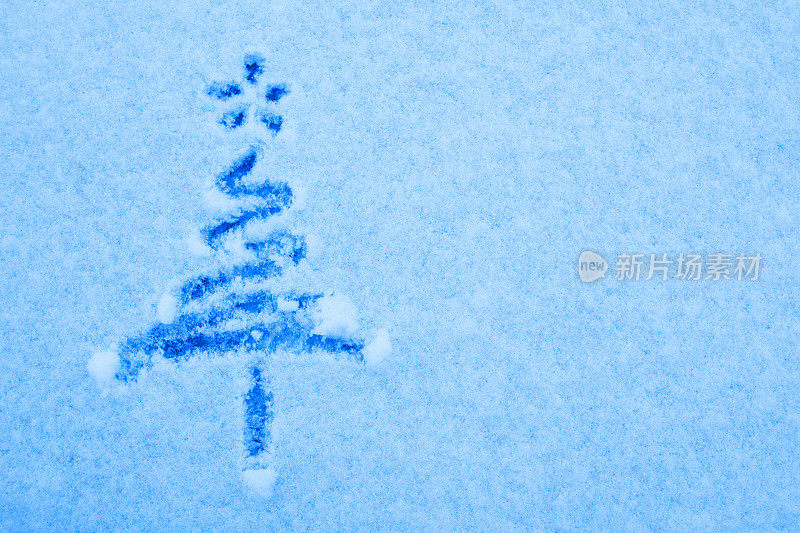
452 161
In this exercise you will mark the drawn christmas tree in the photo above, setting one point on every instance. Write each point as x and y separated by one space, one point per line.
239 306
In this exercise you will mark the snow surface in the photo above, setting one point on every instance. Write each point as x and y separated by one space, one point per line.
457 158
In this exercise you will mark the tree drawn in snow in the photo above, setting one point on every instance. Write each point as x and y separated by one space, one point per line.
237 307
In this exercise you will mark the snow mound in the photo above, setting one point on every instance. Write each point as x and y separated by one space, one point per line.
377 350
167 307
335 316
103 366
260 480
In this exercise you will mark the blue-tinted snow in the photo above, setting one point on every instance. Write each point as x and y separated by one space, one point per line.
457 158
